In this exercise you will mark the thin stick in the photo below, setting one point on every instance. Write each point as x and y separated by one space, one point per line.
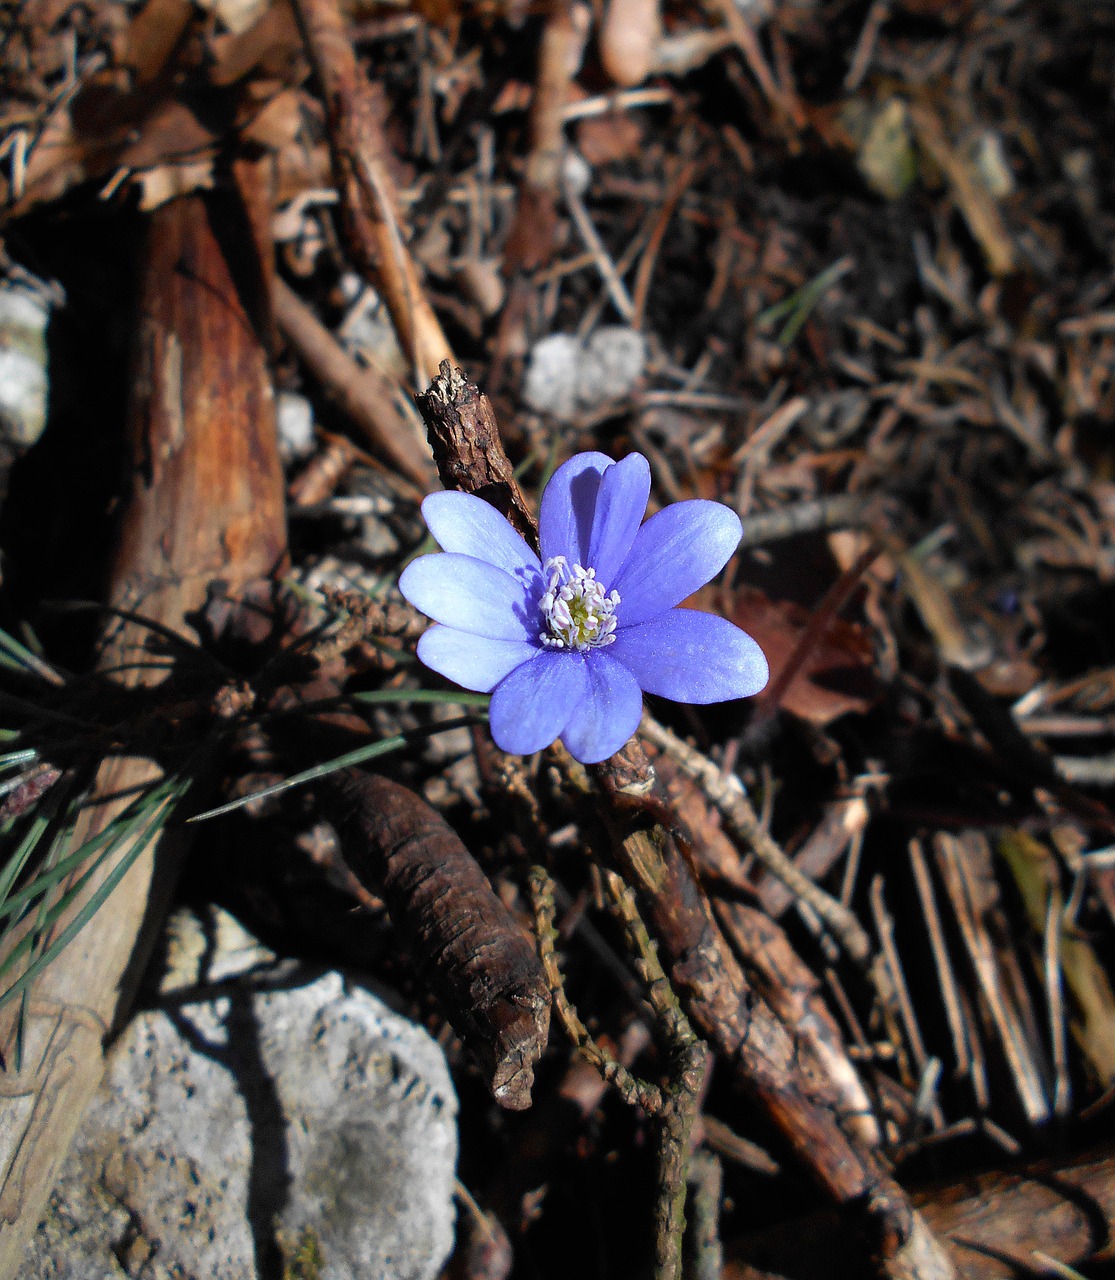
368 198
946 979
726 793
617 290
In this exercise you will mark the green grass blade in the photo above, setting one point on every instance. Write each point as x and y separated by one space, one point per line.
18 657
800 304
450 697
148 829
351 758
13 868
16 759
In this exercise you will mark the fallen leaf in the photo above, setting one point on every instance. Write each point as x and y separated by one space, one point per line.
838 674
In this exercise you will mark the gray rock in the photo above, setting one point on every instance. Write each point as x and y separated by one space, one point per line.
283 1112
565 378
24 316
295 418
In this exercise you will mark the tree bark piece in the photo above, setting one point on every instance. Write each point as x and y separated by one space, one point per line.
206 504
369 205
793 993
742 1029
467 448
481 964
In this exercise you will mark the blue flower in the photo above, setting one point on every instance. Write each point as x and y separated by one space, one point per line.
568 644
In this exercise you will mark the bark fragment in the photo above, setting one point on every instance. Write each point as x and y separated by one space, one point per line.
480 963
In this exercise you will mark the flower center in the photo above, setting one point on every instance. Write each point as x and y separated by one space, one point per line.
576 612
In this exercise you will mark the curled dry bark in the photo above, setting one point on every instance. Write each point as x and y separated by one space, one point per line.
480 963
206 503
737 1023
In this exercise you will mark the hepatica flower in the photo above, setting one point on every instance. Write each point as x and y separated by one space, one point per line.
568 644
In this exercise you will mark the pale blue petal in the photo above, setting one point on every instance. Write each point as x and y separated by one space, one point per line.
609 713
691 657
472 596
678 550
474 662
568 505
620 506
465 523
535 702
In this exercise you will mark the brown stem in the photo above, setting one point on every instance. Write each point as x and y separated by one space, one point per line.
369 204
467 448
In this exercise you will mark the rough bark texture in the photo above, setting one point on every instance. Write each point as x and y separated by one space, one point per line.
206 503
467 448
742 1030
480 963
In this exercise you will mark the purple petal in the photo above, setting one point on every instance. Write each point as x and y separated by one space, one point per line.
691 657
620 506
678 550
609 712
475 662
568 505
535 702
465 523
472 596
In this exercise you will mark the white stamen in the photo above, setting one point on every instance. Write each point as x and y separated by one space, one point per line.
576 612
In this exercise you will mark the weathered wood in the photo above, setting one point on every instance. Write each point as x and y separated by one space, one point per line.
206 503
996 1226
367 398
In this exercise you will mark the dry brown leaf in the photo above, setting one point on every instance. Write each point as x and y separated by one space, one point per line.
838 673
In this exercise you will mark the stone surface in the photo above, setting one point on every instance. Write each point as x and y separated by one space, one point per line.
24 315
240 1122
294 416
565 377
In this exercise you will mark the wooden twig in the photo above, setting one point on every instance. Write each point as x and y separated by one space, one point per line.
815 515
530 242
467 448
688 1064
960 860
479 961
742 822
946 977
369 205
842 823
675 1105
794 995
